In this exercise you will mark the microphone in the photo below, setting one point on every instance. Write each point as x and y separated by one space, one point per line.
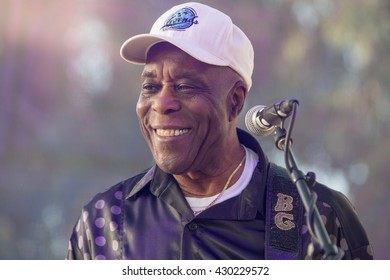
261 120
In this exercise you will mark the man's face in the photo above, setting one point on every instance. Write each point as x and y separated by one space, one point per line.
185 109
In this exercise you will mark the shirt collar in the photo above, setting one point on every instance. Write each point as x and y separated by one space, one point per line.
145 180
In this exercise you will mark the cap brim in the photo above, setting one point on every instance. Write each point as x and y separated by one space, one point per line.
135 49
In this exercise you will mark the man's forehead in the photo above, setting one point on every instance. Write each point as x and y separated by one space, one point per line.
180 63
175 59
153 73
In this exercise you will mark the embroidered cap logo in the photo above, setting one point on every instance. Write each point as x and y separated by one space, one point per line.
181 20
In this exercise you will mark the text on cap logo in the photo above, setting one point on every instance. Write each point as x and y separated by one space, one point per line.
181 20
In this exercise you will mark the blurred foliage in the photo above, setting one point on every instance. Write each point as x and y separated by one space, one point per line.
68 127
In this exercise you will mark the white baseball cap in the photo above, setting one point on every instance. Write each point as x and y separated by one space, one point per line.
203 32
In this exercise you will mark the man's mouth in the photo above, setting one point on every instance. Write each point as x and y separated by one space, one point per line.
171 132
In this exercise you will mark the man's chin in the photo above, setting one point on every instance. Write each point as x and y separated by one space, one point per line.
174 167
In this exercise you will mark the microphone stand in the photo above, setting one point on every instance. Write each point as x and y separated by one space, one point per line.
322 246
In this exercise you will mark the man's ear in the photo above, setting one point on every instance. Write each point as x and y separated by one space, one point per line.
237 99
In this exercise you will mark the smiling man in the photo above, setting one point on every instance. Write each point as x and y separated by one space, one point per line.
188 112
211 193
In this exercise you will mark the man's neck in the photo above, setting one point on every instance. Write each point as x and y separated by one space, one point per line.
214 179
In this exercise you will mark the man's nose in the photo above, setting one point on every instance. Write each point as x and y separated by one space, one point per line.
166 101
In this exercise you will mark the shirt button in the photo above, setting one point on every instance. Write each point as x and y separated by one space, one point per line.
192 226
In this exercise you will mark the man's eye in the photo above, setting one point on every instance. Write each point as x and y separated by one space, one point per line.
185 87
149 88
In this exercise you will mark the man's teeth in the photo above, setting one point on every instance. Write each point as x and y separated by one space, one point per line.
171 132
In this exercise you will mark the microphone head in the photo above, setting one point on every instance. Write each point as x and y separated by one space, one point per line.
251 122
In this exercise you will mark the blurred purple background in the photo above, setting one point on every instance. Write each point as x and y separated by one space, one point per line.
68 127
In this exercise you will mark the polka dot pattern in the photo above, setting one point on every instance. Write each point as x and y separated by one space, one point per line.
100 257
101 216
333 238
113 226
338 223
115 245
335 230
87 256
100 204
100 222
100 241
344 244
118 195
116 210
101 234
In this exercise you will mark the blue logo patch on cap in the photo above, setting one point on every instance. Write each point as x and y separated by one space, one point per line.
181 20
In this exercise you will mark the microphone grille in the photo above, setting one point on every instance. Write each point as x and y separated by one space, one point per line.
251 122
